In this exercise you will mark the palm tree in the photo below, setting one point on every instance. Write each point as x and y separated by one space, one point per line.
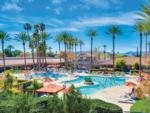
92 34
31 46
104 46
76 42
27 27
3 37
81 43
36 40
10 47
22 37
58 39
141 29
149 47
113 31
44 37
65 37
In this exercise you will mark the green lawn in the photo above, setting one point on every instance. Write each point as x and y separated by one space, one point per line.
141 106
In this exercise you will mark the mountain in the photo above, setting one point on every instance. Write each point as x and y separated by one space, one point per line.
130 53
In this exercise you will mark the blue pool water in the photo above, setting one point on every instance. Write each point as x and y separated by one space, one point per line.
100 83
48 75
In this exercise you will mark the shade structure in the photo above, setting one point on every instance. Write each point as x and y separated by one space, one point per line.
51 89
47 80
130 84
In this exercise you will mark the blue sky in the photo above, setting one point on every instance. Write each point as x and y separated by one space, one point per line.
76 17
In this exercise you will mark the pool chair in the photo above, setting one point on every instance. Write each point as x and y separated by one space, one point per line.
126 100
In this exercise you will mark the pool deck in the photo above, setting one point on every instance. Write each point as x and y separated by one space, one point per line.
113 95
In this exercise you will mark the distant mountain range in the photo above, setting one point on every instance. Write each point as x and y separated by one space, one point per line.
130 53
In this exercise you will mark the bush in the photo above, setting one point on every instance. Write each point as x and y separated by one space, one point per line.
121 66
69 103
88 79
136 66
141 106
99 106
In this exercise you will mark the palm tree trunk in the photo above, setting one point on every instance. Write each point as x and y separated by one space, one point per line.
149 49
91 52
59 51
65 52
140 67
24 49
146 45
33 57
104 54
114 53
80 48
3 52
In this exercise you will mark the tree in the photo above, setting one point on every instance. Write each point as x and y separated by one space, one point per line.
140 29
113 31
22 37
81 43
92 34
121 65
31 46
104 46
44 37
3 37
59 39
27 27
8 82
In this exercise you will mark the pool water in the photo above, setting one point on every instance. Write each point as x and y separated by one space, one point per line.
100 82
48 75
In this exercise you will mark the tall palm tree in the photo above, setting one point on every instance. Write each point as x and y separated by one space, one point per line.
22 37
92 34
58 39
149 48
65 37
76 42
44 37
104 46
140 28
27 27
31 46
81 43
113 31
3 37
36 40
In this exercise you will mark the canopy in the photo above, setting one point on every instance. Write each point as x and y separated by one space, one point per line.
51 89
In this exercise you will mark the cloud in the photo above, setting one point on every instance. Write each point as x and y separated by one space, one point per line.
16 1
72 29
56 2
47 7
120 19
30 0
58 10
95 3
11 7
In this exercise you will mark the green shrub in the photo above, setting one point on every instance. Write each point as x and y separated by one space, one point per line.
88 79
141 106
99 106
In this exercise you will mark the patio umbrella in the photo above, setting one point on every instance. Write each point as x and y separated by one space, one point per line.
130 84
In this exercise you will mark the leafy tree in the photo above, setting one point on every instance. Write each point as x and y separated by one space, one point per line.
121 65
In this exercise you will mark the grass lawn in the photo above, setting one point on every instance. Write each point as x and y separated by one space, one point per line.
141 106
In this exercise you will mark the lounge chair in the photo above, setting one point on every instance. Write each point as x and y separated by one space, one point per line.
126 100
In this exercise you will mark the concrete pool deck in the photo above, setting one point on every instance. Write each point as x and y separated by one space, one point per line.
113 95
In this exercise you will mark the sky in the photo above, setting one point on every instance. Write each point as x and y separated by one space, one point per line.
76 17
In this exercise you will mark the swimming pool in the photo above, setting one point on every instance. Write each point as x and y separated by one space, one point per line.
100 82
48 75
